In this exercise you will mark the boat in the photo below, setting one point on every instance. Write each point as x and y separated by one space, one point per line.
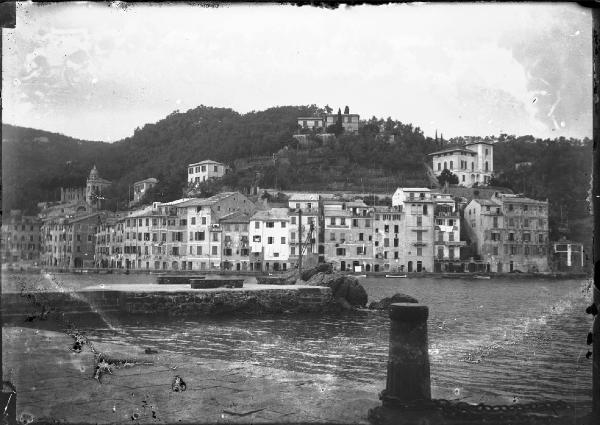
360 275
394 276
482 277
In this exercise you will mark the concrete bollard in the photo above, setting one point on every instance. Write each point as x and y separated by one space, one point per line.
408 364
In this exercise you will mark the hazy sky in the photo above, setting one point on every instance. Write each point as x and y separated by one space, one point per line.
97 71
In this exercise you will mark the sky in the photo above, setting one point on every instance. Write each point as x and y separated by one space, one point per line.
98 71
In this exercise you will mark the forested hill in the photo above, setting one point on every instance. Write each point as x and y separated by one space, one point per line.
37 163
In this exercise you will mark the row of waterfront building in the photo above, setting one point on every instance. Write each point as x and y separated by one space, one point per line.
422 231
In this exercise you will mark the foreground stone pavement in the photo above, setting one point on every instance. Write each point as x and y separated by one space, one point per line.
55 383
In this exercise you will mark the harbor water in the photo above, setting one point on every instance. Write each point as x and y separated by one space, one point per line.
493 341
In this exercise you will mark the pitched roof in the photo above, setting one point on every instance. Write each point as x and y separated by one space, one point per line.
235 217
454 149
206 161
271 214
195 202
303 197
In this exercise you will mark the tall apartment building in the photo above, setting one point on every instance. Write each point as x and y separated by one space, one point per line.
447 243
388 247
21 238
348 235
269 240
510 232
235 241
70 241
417 205
203 215
304 228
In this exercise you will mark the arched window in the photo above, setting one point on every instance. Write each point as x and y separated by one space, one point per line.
451 165
439 166
445 165
486 166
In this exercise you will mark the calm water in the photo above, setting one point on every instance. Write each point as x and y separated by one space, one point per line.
490 340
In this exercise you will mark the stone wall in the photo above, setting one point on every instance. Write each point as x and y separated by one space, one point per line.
267 301
189 303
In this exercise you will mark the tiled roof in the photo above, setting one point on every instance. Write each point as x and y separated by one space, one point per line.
271 214
236 217
303 197
206 161
194 202
454 149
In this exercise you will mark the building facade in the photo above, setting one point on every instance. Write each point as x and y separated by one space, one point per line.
205 170
235 246
417 206
70 241
21 239
140 188
472 164
304 229
311 123
510 232
447 243
269 240
350 122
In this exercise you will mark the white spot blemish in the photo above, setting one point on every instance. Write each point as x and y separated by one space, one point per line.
562 124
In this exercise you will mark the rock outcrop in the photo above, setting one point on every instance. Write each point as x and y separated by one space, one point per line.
385 303
343 287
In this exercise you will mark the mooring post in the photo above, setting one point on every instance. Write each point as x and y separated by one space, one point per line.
408 376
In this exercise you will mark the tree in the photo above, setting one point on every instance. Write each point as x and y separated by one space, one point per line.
447 177
346 110
328 109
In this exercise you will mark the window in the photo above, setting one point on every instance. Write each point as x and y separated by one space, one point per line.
293 220
342 221
361 236
340 251
360 250
386 242
198 250
451 165
216 169
283 240
510 207
215 237
283 224
419 251
511 222
332 221
270 240
270 224
214 250
354 222
419 236
419 220
332 236
541 238
511 236
293 236
495 219
526 222
193 220
293 250
203 168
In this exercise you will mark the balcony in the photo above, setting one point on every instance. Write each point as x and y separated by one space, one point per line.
419 243
450 243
